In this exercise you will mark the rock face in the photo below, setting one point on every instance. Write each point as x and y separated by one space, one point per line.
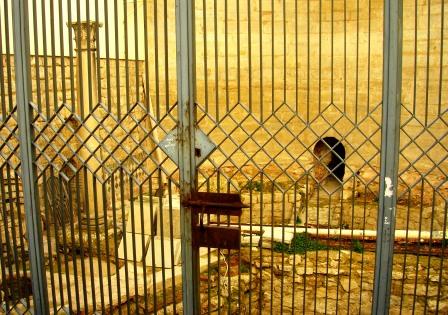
324 282
346 208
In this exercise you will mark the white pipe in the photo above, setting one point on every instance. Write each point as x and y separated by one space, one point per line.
280 234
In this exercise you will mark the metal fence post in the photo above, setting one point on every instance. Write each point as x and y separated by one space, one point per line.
390 138
23 90
187 165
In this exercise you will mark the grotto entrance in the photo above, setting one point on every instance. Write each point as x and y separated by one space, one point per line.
329 166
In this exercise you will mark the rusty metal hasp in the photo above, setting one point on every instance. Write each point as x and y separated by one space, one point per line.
215 236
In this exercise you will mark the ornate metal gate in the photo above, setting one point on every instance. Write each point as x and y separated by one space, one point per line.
329 118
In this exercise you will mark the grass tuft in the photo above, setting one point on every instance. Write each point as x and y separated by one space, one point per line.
300 244
357 246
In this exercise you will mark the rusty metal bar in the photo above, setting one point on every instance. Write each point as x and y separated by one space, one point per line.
187 166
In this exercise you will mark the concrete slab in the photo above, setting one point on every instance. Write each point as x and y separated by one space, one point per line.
277 234
171 216
168 251
140 246
127 276
138 212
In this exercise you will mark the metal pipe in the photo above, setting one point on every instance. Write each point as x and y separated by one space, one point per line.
392 34
23 90
400 235
186 100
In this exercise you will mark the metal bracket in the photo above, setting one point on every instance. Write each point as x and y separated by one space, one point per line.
203 146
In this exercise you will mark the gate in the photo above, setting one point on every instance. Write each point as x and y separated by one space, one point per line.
328 118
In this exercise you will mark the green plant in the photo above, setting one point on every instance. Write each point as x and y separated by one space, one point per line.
445 242
281 247
300 244
254 186
244 268
298 220
357 246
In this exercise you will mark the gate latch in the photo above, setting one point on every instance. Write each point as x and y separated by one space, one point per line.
215 236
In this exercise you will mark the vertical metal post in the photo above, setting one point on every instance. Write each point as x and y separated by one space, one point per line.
390 138
23 90
187 165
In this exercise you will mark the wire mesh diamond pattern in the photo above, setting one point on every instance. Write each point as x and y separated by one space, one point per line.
15 286
283 142
102 142
20 307
9 141
423 151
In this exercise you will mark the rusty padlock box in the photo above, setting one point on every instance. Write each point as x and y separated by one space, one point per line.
215 236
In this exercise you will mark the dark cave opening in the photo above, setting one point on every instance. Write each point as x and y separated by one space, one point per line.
331 152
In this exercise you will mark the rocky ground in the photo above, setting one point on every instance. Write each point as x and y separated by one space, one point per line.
321 282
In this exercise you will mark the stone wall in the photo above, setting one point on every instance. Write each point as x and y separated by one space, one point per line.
330 282
320 282
313 67
53 81
291 209
314 59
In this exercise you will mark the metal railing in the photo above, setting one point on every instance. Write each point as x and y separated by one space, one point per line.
327 117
